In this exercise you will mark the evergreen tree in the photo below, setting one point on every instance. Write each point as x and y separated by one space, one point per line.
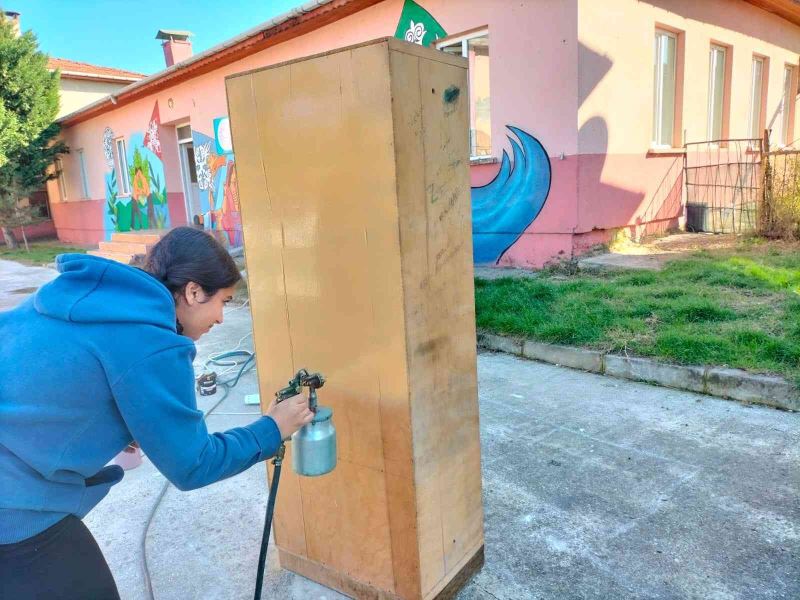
28 134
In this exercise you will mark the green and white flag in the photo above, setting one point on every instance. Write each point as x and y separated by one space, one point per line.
418 26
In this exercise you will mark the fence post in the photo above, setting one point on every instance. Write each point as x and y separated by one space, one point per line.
766 186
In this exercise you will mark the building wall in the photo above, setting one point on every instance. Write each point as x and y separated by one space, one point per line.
532 90
77 93
620 181
571 109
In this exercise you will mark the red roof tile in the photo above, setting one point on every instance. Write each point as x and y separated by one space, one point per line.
72 67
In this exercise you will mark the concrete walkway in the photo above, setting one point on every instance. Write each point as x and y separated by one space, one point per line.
18 281
593 488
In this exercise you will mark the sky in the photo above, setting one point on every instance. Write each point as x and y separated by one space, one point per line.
121 33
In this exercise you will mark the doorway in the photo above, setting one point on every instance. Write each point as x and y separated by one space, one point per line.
191 190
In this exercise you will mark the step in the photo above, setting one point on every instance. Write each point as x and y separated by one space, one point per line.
138 237
117 256
125 247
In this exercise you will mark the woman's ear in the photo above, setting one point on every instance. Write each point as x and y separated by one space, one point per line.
193 294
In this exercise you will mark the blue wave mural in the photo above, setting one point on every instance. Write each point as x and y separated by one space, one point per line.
504 208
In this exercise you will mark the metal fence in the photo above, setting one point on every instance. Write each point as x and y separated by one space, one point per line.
723 185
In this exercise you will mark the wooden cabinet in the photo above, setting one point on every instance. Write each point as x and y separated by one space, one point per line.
353 171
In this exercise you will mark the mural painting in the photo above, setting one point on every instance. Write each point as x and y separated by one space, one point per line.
505 207
216 178
145 207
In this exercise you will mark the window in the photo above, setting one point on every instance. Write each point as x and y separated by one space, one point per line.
716 92
122 167
475 47
62 185
184 133
84 176
664 84
191 163
785 118
755 125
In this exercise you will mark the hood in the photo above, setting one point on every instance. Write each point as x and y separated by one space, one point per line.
91 289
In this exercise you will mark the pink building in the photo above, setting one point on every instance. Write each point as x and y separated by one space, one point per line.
579 112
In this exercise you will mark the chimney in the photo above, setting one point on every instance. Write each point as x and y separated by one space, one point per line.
176 45
14 18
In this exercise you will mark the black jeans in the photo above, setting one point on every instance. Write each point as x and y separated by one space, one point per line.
63 562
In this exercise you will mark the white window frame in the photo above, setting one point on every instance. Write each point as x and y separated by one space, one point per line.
464 38
657 134
713 68
787 101
84 174
186 177
184 140
62 184
756 95
123 176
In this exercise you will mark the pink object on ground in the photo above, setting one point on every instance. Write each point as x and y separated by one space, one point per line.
128 460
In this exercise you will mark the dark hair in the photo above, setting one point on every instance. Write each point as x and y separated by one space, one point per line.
186 254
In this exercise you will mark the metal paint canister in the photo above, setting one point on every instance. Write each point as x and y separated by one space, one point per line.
314 445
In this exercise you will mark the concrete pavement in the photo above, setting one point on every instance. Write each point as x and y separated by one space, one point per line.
18 281
593 488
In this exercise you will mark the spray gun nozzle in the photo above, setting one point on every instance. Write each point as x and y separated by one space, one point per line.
313 381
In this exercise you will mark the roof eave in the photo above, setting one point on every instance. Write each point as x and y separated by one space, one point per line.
787 9
98 77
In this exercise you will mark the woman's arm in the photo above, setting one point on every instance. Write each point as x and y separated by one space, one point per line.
157 400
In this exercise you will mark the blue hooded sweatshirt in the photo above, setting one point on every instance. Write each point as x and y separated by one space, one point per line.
89 364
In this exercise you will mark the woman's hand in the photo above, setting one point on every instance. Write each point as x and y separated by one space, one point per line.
290 415
131 448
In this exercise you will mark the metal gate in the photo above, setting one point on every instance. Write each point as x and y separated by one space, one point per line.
723 185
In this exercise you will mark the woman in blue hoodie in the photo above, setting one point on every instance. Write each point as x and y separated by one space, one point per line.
97 358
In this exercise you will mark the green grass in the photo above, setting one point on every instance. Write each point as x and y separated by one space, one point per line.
735 308
41 253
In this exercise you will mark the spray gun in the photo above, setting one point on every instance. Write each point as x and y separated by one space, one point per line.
314 444
313 450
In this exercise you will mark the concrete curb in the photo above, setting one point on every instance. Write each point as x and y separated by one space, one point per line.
733 384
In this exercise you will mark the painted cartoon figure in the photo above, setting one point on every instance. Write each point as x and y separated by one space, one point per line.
231 216
140 193
216 175
146 207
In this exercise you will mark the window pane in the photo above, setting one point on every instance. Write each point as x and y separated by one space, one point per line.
192 165
84 176
456 49
656 89
664 105
184 132
480 114
755 98
716 91
122 163
786 107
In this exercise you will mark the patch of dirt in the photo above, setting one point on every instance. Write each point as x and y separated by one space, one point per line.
680 243
654 253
